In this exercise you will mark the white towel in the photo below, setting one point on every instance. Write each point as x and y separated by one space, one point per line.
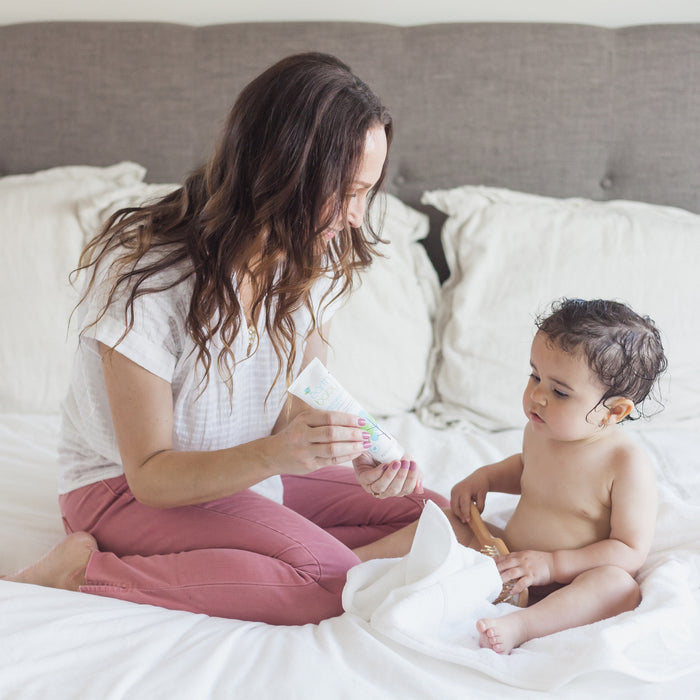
431 599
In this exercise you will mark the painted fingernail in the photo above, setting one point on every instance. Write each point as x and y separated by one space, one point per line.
395 465
361 421
413 467
385 467
404 465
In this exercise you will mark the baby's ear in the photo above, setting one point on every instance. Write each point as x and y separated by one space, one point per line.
618 409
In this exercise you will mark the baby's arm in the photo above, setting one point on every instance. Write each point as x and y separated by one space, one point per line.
632 521
503 477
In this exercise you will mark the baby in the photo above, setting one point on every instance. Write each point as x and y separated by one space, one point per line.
587 510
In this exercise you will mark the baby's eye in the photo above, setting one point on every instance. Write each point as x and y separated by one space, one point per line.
560 394
534 377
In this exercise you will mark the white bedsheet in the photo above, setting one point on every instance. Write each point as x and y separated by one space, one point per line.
60 644
431 599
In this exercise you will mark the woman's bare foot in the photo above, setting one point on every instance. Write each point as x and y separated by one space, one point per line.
63 566
502 634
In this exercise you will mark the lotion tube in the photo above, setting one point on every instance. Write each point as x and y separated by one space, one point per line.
317 387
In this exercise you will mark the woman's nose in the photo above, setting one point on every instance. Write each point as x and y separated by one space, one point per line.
356 212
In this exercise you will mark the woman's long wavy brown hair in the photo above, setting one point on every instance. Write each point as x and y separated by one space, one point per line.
290 150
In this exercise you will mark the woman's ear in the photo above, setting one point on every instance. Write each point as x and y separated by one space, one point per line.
618 409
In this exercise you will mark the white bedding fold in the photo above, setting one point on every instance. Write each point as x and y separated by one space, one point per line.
430 601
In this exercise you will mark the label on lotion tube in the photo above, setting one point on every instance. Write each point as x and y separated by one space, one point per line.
317 387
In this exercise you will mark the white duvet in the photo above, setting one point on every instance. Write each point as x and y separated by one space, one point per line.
408 630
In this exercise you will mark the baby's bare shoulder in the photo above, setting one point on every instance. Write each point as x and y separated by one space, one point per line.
627 457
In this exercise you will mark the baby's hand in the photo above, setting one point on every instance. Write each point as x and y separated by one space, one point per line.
526 568
473 489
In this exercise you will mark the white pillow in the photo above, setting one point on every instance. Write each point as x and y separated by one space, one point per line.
511 254
42 241
380 340
93 212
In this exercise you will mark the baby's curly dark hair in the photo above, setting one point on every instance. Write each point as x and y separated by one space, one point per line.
621 347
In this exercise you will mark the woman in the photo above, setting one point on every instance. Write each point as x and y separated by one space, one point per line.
189 479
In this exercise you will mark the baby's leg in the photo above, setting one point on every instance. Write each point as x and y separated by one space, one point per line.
593 595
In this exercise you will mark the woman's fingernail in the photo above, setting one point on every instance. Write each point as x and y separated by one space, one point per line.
413 467
385 467
395 465
361 421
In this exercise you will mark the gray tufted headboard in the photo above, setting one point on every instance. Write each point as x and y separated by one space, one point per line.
565 110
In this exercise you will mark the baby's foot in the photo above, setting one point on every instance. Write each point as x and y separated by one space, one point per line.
502 634
63 566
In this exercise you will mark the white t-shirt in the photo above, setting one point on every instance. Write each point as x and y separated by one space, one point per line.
203 419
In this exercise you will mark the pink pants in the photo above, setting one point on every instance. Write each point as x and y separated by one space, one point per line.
243 556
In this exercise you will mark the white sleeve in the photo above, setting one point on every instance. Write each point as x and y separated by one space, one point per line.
155 340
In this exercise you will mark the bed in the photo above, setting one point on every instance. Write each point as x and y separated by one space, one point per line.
530 161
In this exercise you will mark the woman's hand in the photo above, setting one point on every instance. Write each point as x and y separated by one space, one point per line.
314 439
398 478
526 568
473 489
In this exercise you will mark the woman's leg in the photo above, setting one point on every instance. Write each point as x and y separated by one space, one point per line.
243 557
396 540
332 499
61 567
594 595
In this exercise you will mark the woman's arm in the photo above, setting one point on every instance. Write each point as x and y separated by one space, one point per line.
142 415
